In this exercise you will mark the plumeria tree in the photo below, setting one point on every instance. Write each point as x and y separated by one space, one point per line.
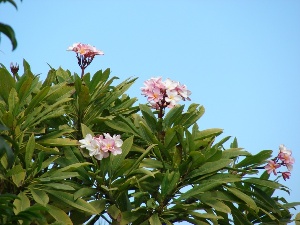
76 149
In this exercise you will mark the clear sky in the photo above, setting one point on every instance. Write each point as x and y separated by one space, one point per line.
240 59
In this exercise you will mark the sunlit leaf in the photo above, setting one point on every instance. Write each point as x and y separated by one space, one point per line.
69 199
154 220
247 199
21 203
9 32
59 215
29 151
40 196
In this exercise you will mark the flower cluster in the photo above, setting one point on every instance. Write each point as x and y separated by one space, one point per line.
85 54
100 146
85 50
284 158
161 94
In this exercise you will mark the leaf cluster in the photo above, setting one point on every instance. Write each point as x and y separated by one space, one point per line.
169 170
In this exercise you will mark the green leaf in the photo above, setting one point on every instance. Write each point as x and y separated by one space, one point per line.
11 2
204 215
191 116
9 32
86 192
170 138
99 205
151 163
86 130
60 186
217 205
21 203
169 182
135 165
5 148
69 199
197 159
39 196
247 199
234 144
266 201
73 166
149 117
141 171
191 193
234 152
297 219
264 183
210 167
13 102
50 78
18 175
172 115
57 176
59 215
99 78
118 159
83 98
208 133
114 212
154 220
29 151
255 160
36 100
58 142
6 86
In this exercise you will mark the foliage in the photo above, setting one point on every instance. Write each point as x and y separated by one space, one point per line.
169 170
8 30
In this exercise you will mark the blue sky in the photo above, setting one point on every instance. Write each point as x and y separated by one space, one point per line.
240 59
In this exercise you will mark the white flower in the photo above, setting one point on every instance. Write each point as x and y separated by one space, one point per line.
86 141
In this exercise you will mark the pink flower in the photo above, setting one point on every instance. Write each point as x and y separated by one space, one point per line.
285 156
86 141
183 92
112 144
85 50
170 85
102 145
172 98
271 167
85 54
101 154
286 175
164 94
155 95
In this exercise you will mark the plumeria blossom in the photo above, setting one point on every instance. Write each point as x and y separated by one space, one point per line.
162 94
85 50
284 158
285 155
286 175
85 54
100 146
271 167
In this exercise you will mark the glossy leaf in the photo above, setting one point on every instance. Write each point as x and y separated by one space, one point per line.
9 32
21 203
29 151
210 167
69 199
59 215
154 220
247 199
257 159
39 196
